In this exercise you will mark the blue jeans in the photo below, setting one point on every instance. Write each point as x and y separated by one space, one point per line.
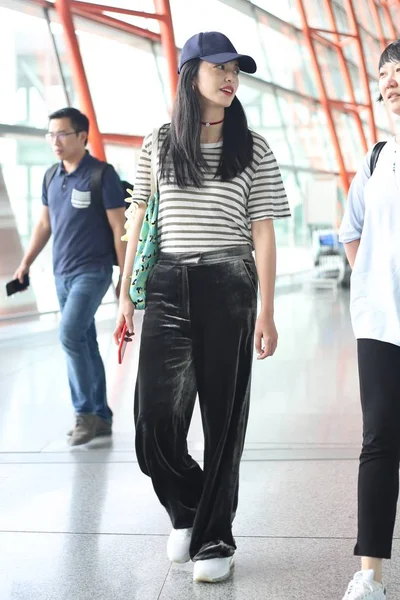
79 297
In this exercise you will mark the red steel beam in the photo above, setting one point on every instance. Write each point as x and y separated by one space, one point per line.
389 20
347 106
63 8
323 95
378 24
105 20
363 66
322 39
332 32
43 3
344 68
117 24
114 9
168 43
120 139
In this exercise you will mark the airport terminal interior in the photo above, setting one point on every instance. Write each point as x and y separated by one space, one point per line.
80 523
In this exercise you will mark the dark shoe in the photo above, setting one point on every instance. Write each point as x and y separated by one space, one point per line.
103 428
84 430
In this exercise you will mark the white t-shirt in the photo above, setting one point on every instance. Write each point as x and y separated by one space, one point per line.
373 216
219 214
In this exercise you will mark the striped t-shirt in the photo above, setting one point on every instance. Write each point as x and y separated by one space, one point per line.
219 214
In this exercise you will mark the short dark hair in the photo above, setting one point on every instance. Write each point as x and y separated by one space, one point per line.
79 121
390 54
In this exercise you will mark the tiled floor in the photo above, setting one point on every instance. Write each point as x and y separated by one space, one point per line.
84 523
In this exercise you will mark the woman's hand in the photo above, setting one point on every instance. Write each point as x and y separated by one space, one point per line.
266 336
125 315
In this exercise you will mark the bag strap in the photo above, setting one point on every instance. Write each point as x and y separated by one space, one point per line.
48 176
96 183
154 155
95 180
376 150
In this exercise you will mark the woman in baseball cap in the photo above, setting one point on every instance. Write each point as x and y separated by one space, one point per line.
214 47
219 190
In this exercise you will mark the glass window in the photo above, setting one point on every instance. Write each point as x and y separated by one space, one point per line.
291 66
125 85
284 9
124 159
331 72
308 141
23 164
372 52
31 85
349 139
358 89
385 23
365 17
129 82
290 232
384 119
341 19
211 15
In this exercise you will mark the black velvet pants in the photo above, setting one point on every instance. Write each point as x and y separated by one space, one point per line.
197 338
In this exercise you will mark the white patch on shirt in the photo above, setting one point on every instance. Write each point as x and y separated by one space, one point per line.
80 199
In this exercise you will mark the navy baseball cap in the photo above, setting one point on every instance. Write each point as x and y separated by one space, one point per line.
214 47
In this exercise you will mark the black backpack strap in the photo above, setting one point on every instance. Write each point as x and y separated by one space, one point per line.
96 192
376 150
96 184
48 176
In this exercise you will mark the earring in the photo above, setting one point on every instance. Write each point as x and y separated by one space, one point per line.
193 87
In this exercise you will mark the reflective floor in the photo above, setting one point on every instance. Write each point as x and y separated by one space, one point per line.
83 523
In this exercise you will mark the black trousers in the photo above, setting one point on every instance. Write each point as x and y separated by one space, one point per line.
378 485
197 338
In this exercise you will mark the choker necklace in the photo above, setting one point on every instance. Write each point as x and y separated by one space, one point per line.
207 123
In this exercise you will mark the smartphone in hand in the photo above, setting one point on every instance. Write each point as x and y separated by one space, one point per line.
14 286
125 338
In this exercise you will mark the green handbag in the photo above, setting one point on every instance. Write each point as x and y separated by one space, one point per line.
147 250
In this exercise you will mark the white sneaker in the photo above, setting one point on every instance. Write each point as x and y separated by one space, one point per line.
178 545
363 587
212 570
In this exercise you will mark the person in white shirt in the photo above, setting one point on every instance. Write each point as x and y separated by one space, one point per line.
370 232
219 190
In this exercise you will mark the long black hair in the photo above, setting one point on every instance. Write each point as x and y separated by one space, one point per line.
181 159
390 54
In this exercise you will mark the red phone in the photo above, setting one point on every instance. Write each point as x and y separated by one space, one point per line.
125 338
122 345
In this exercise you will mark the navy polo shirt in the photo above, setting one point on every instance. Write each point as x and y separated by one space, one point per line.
82 237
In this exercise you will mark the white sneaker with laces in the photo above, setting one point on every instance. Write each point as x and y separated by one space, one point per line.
212 570
178 545
363 587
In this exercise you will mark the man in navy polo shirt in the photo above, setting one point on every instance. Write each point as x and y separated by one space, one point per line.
86 238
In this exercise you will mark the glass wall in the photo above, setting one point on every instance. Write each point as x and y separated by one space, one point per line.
128 79
31 82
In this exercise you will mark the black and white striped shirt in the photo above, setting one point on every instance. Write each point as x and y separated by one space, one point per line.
219 214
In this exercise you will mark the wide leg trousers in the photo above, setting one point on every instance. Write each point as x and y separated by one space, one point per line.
197 338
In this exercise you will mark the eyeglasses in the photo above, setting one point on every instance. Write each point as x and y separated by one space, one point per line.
50 137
